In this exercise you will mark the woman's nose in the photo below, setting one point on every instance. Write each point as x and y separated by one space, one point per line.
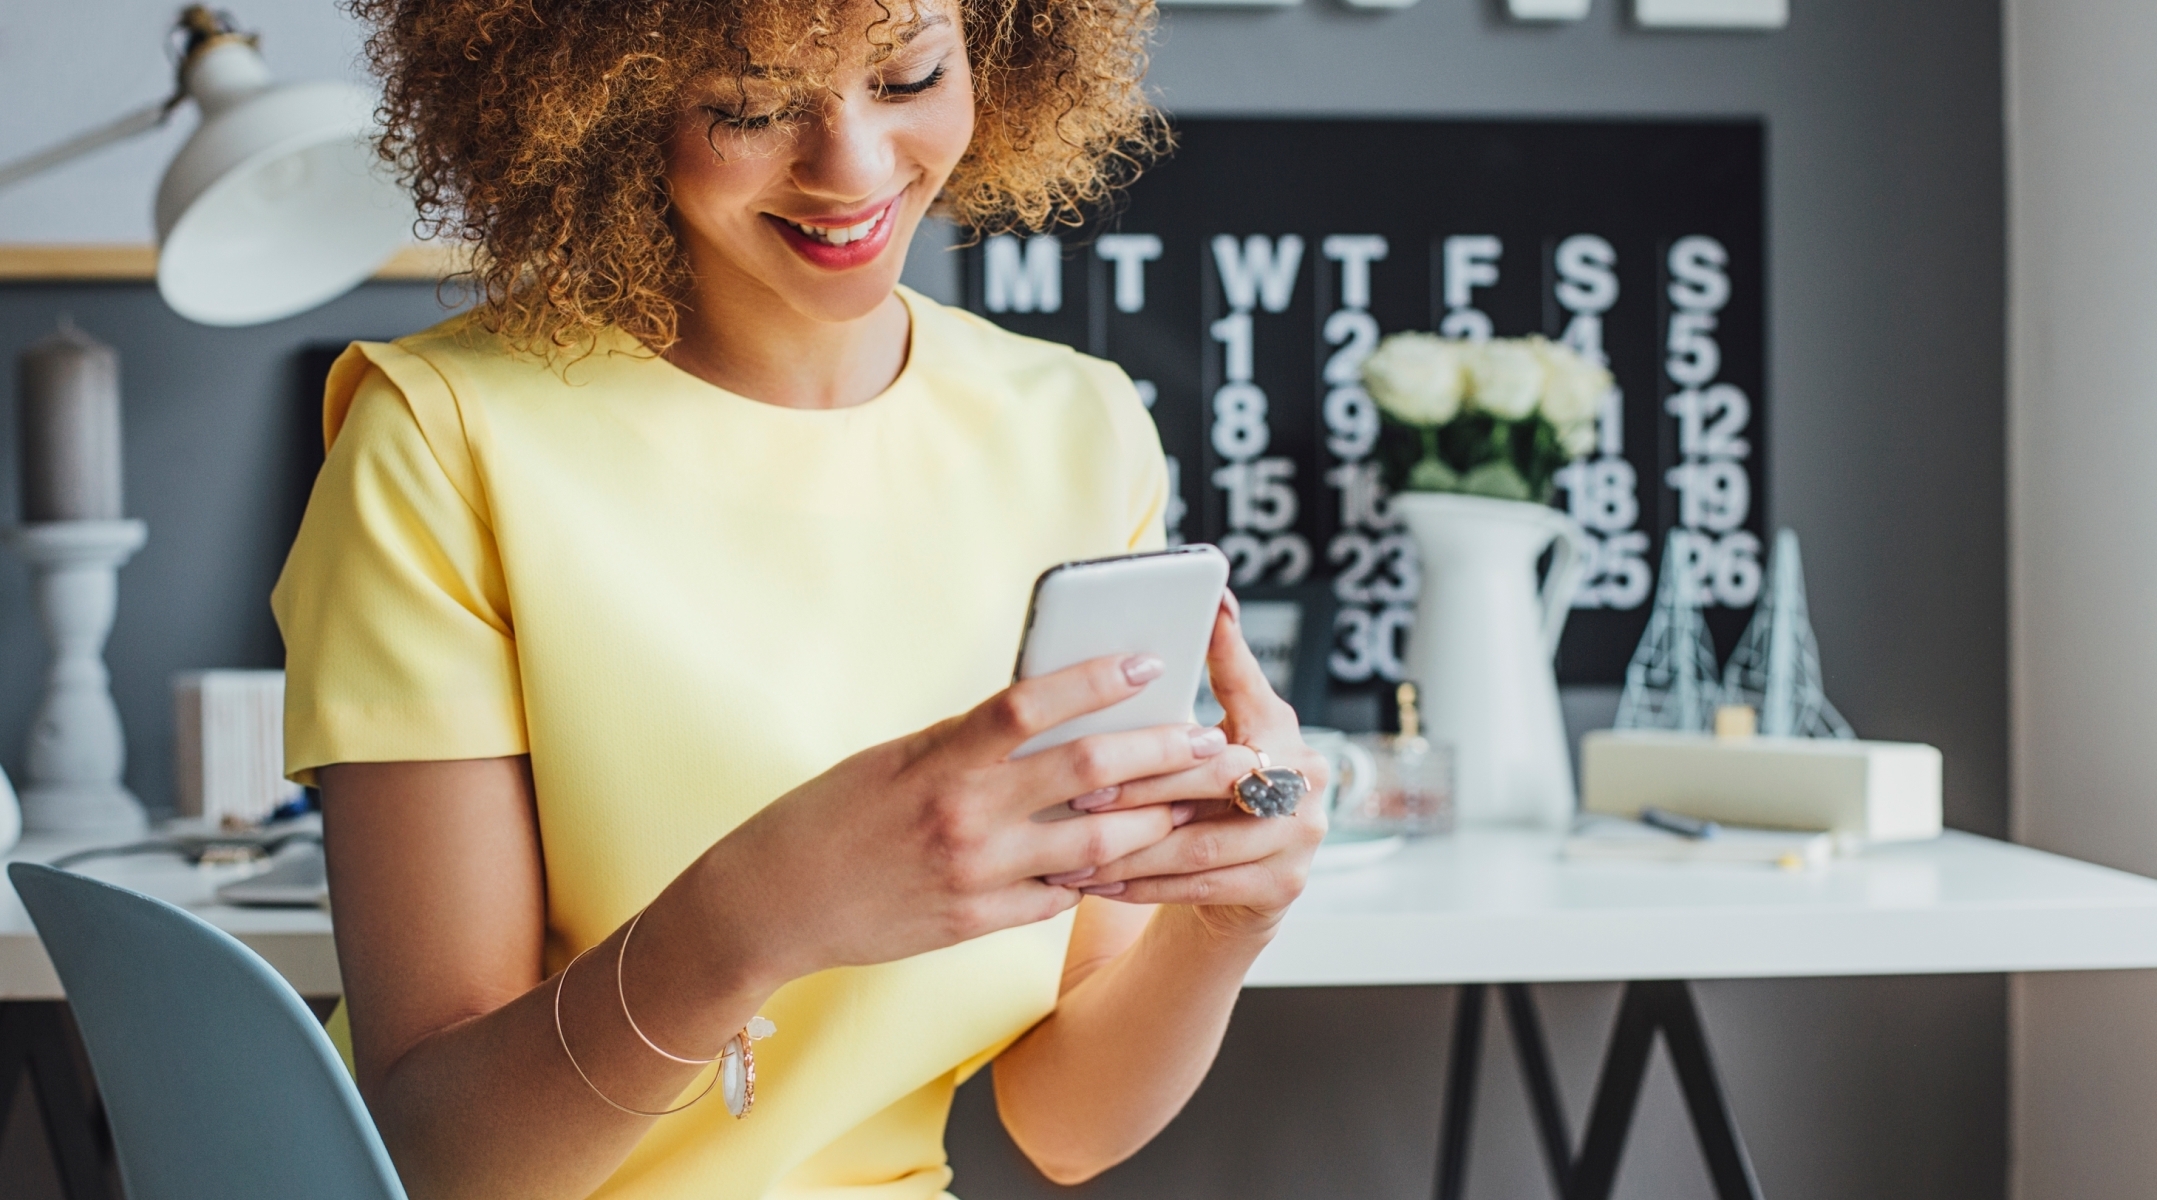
847 156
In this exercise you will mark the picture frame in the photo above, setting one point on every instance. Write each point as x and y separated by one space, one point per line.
1290 629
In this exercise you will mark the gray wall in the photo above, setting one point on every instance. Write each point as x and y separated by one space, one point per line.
1885 352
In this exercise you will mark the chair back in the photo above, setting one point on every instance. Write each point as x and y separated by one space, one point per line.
218 1081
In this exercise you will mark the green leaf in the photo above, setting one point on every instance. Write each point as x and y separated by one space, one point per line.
1432 475
1498 480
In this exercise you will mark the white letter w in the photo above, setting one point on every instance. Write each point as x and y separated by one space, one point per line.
1261 270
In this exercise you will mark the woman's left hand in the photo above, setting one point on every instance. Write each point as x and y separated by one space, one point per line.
1239 872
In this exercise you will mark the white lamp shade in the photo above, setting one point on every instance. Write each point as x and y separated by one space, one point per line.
275 205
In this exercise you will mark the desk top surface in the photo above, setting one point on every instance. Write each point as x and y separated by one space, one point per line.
1494 906
296 941
1501 906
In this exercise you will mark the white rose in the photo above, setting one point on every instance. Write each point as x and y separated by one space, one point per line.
1505 378
1416 377
1573 387
1578 440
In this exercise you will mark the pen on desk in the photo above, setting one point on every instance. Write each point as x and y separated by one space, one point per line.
1679 823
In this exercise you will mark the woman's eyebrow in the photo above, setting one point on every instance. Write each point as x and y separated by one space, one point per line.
914 29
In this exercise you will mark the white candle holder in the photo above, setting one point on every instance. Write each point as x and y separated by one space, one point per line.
77 749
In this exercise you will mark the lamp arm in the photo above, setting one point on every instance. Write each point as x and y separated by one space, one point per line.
142 120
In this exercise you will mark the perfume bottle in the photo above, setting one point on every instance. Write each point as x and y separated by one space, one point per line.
1413 791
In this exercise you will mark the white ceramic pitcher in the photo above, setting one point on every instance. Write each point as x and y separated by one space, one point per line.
1481 649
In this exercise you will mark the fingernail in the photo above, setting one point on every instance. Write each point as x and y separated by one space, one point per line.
1234 607
1142 668
1069 877
1098 798
1181 812
1207 742
1105 889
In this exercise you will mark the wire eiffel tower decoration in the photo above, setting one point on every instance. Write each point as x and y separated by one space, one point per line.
1672 682
1776 667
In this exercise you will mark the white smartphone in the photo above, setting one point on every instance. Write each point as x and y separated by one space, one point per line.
1161 604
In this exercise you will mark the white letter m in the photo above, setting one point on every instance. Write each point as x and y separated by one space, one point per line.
1032 282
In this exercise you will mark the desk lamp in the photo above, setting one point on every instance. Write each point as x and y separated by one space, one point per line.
276 205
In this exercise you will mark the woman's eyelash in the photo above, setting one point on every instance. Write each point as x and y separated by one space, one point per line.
744 123
914 88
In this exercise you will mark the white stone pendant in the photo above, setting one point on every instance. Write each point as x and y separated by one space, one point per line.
737 1067
737 1080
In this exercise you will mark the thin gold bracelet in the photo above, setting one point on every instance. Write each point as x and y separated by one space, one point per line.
622 992
562 979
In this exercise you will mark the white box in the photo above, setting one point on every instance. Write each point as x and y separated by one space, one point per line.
1879 791
1712 14
229 744
1547 10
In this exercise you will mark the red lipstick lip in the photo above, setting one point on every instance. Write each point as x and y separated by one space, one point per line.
843 220
849 256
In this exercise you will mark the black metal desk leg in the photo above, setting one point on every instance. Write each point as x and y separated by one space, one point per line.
35 1037
1462 1068
1648 1006
1534 1055
1617 1093
1713 1123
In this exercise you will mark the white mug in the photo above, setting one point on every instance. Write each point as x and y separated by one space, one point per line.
1351 771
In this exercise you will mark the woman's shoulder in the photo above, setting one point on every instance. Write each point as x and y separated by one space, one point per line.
464 346
463 336
460 365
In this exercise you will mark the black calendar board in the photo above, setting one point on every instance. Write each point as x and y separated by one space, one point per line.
1241 280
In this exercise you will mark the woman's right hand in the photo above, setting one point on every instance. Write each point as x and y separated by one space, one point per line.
932 839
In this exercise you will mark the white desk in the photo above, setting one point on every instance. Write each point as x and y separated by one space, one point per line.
1497 907
295 941
1490 907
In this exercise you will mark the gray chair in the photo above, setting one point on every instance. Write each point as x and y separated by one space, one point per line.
218 1082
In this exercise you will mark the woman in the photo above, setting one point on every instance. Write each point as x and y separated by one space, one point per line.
630 617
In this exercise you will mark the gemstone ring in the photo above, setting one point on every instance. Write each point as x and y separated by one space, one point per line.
1267 790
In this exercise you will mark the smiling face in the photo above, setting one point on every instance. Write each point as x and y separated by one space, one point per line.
810 197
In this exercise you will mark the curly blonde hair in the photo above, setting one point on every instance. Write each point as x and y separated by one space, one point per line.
535 131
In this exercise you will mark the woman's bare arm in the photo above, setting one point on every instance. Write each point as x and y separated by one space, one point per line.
436 880
1145 1005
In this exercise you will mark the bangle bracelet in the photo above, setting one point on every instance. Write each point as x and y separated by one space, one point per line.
563 979
739 1075
622 993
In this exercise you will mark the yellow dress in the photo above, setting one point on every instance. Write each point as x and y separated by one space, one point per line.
682 603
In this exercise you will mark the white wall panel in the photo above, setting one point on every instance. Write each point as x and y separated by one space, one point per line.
2082 137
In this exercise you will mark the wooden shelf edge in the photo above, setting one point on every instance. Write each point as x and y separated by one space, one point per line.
28 262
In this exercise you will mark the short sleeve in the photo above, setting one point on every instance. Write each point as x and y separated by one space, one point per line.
395 614
1145 487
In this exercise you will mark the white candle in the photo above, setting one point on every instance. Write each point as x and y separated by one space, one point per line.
70 409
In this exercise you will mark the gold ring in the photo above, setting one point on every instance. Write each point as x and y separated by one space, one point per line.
1269 791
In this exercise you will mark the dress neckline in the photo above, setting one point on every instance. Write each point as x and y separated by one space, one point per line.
900 385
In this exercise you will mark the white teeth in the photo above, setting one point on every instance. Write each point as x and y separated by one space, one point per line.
840 236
